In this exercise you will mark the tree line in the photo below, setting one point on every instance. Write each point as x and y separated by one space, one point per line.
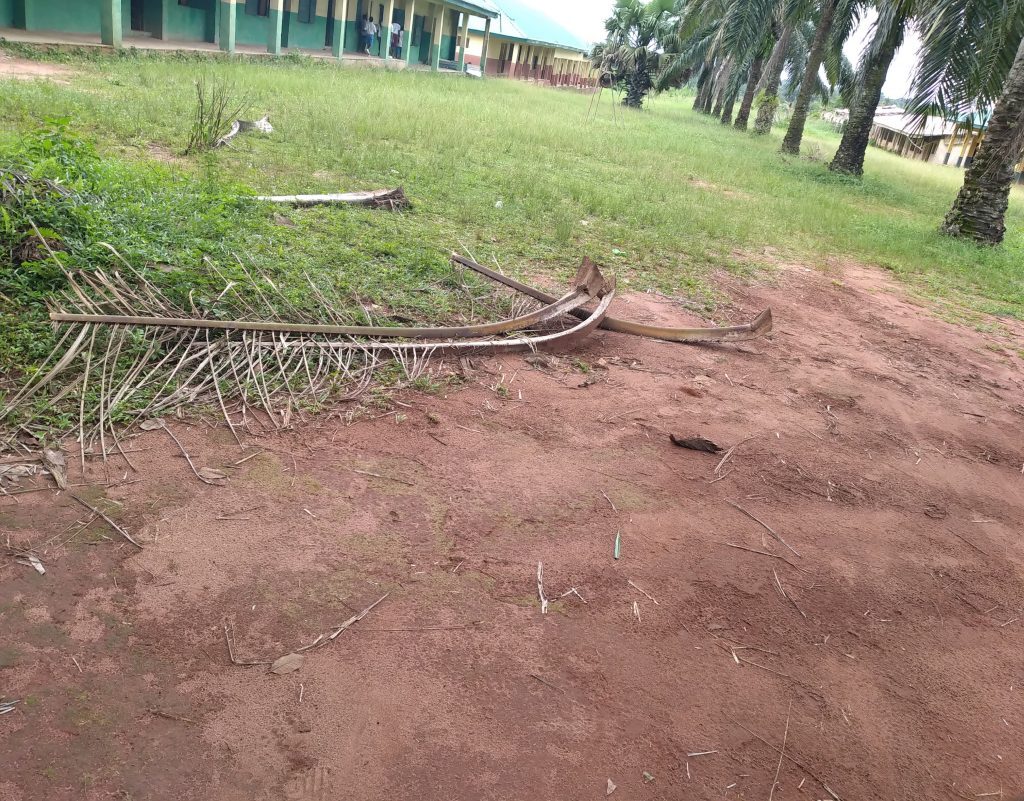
733 52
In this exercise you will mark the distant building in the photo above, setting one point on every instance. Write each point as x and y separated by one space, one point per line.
525 43
902 134
432 32
938 141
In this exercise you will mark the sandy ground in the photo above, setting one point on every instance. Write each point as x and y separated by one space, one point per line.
11 67
882 444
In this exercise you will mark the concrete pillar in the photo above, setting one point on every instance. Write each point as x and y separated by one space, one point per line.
110 23
410 21
228 25
340 18
436 28
276 27
385 29
464 33
483 51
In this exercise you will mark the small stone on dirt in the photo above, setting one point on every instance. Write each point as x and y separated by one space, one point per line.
611 787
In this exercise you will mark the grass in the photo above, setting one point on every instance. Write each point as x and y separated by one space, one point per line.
511 171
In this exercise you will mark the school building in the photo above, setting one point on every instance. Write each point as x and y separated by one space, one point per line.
524 43
433 33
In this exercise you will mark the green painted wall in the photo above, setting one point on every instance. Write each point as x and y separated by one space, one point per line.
251 30
6 13
448 48
307 35
70 16
189 24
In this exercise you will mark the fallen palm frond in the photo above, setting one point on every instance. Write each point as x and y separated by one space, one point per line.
128 352
375 198
758 327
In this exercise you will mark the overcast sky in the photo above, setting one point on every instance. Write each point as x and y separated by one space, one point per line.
586 19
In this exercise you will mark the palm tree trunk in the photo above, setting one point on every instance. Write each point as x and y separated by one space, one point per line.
727 109
772 78
849 158
722 87
638 84
980 208
743 116
795 132
704 89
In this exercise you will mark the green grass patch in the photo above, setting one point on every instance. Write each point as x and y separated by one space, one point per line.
510 171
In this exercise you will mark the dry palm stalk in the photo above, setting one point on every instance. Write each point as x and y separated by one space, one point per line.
758 327
376 198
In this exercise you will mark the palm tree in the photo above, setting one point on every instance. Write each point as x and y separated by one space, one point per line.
636 30
770 80
972 57
889 28
836 20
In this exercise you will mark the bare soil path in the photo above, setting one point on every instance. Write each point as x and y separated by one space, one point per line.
885 446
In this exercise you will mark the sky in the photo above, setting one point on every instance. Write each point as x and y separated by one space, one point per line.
586 19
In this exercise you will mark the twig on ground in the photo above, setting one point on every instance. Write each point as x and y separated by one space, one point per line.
767 528
460 564
763 553
620 414
187 457
701 753
979 550
782 754
609 501
388 478
322 639
106 518
573 591
231 651
546 683
77 665
729 453
636 611
642 591
789 756
786 596
161 714
245 459
540 588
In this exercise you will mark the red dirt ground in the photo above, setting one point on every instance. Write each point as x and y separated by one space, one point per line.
885 446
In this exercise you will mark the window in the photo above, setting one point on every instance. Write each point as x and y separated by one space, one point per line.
257 8
307 10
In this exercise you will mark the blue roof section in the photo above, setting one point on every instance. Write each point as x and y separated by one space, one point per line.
520 21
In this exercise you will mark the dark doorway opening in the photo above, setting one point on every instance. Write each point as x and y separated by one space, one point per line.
329 35
138 19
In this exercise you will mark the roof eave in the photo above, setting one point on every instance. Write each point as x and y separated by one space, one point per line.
524 40
472 8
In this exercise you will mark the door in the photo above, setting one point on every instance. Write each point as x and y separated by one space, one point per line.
329 35
137 16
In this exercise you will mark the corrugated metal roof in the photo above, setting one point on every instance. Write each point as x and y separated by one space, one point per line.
523 23
910 125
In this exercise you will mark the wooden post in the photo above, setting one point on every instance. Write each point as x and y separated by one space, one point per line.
276 27
464 35
483 52
437 27
385 30
410 22
228 25
110 23
340 20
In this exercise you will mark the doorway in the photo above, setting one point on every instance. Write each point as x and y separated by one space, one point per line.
138 18
329 34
